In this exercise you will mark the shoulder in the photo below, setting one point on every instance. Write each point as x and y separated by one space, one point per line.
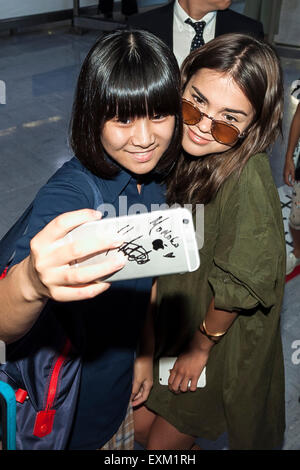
72 178
238 23
254 187
70 188
257 170
255 174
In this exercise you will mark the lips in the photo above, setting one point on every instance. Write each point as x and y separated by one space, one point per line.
142 157
197 139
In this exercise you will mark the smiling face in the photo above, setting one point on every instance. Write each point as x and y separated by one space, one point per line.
217 95
138 144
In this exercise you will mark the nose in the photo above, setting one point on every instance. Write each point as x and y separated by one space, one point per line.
142 133
205 124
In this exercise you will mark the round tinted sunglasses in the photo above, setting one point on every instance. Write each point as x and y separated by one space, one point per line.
222 132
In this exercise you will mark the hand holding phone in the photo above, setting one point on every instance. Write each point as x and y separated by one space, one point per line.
155 243
165 366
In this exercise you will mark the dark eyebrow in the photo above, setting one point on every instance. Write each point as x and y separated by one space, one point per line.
229 110
200 94
235 111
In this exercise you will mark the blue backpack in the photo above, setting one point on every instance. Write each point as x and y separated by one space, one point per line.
42 367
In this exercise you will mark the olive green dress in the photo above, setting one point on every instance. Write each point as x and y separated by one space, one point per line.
243 267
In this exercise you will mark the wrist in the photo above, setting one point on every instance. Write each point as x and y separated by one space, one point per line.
215 337
201 343
145 351
29 283
289 157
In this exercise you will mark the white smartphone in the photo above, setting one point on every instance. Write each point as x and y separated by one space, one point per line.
167 363
155 243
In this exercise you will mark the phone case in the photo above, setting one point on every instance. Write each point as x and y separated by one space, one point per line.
155 243
167 363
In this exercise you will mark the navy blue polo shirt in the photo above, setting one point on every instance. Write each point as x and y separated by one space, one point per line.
105 329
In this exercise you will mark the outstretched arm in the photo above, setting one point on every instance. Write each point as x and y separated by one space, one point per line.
47 273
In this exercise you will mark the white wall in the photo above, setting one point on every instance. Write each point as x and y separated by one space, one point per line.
16 8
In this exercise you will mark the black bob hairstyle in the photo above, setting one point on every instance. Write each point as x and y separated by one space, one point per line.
129 74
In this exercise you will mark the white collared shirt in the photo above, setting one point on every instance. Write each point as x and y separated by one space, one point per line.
183 33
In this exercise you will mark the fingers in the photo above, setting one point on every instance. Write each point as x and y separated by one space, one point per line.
54 254
65 277
182 381
56 243
183 384
289 173
140 392
64 223
68 250
70 294
289 180
136 399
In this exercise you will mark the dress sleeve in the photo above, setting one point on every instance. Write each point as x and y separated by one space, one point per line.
249 249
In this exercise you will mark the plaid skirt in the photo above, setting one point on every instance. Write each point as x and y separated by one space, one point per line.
123 439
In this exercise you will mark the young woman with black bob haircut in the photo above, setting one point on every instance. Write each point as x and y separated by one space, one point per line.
125 133
226 315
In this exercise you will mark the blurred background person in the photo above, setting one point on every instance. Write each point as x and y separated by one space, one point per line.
292 178
185 25
128 7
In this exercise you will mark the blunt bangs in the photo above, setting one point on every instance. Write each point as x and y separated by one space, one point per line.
140 85
140 97
127 74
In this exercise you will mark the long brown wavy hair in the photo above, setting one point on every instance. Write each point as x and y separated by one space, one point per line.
255 68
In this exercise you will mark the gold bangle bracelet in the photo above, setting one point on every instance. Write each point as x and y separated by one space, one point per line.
215 338
213 334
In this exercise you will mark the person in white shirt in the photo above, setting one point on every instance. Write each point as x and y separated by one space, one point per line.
169 23
183 33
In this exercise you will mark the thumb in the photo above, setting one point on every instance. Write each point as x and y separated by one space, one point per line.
136 387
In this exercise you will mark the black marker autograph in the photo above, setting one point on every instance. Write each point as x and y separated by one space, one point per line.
135 252
166 233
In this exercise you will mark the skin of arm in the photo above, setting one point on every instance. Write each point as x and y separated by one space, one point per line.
294 135
47 274
189 365
20 304
143 367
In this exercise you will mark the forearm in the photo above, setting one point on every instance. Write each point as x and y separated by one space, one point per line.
294 134
216 322
20 306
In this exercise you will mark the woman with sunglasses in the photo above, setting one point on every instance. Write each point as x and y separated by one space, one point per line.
225 316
